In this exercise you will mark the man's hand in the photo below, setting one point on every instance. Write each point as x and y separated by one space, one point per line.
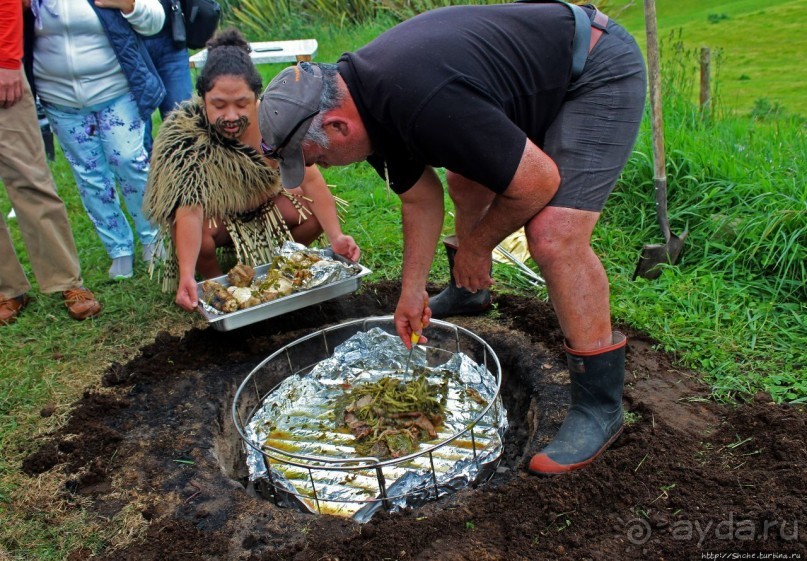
187 298
346 246
472 268
422 217
125 6
412 315
11 87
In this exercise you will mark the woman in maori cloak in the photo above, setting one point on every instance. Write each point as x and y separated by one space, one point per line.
211 185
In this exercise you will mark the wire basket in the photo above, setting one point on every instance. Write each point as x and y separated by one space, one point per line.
311 469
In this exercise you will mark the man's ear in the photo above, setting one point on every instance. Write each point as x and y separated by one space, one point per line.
339 125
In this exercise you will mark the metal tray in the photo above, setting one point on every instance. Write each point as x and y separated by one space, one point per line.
247 316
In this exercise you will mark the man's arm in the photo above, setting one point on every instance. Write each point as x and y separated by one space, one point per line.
534 184
422 216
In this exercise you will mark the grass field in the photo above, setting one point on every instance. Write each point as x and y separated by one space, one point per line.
757 48
735 309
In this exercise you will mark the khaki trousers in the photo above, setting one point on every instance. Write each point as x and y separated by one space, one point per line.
41 213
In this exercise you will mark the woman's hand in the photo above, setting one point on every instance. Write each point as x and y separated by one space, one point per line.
187 297
346 246
125 6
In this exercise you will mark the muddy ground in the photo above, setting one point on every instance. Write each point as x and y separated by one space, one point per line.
687 478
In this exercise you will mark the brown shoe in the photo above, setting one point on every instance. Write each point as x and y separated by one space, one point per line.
10 308
81 303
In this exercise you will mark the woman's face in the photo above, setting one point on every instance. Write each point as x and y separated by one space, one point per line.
231 106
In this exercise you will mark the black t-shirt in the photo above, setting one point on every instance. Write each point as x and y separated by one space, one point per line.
462 88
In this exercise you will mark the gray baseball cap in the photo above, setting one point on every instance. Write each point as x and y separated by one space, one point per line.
288 105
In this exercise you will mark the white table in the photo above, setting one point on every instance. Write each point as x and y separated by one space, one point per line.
270 51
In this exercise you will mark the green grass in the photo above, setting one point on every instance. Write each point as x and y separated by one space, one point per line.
757 48
49 360
735 308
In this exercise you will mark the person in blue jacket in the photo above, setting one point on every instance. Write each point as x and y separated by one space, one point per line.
171 61
98 87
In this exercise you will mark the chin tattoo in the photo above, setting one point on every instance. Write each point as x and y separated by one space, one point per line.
222 124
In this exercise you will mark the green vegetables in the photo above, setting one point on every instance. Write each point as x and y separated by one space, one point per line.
395 396
390 417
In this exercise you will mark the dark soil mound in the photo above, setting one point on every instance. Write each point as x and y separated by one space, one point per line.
687 477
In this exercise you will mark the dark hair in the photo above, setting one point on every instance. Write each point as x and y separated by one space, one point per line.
228 55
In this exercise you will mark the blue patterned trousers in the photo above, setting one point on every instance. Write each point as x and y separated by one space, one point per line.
104 145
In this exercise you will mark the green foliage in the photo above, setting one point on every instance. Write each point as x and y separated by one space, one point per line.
716 18
733 182
735 307
763 41
403 9
764 110
280 19
341 12
275 19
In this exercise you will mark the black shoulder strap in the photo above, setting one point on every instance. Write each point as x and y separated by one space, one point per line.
582 34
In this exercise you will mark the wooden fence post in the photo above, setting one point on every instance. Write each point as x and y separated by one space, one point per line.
705 95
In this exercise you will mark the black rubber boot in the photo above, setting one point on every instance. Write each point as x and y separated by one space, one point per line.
595 417
455 301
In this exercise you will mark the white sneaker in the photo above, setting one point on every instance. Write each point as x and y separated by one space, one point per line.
122 268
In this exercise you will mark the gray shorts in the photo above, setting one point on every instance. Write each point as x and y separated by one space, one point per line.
593 135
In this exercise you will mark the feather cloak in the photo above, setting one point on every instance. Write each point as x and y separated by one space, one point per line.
192 164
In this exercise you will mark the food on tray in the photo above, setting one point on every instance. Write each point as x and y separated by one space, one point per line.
289 272
245 296
241 275
215 294
390 417
275 285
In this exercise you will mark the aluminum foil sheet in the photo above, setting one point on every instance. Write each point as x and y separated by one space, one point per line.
295 425
326 271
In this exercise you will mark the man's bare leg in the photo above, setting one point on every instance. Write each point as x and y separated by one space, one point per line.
207 264
559 241
471 201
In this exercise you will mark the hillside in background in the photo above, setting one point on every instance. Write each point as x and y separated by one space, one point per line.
757 47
